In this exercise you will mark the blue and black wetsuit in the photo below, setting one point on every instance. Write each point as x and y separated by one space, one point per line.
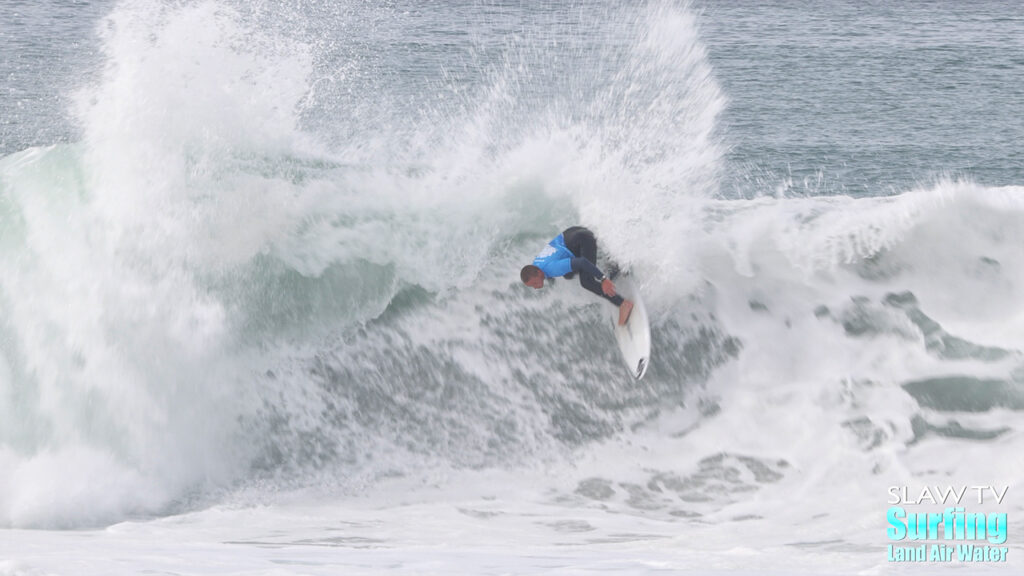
574 251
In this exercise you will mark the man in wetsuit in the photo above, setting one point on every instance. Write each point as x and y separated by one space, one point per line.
574 251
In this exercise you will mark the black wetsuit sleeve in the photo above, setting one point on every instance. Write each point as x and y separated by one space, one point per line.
587 267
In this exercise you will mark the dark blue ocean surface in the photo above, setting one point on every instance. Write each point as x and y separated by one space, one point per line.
869 97
863 98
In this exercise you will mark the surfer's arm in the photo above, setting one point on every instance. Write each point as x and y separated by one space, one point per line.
584 266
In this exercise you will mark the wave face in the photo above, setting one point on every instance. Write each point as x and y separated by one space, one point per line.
284 251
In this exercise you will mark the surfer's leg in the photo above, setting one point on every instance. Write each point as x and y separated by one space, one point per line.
571 237
586 246
581 243
569 233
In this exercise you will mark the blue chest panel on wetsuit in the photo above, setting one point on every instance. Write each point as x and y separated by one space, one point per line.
555 259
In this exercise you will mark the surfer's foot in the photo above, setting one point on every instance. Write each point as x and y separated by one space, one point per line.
624 310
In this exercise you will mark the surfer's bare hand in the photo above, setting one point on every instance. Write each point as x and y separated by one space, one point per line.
607 287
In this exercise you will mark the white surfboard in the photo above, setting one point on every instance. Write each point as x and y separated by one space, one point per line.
634 337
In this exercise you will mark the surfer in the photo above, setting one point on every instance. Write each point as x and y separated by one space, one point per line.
574 251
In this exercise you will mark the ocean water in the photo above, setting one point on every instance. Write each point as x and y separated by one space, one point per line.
260 310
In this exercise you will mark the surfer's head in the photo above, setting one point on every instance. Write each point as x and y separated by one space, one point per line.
532 276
